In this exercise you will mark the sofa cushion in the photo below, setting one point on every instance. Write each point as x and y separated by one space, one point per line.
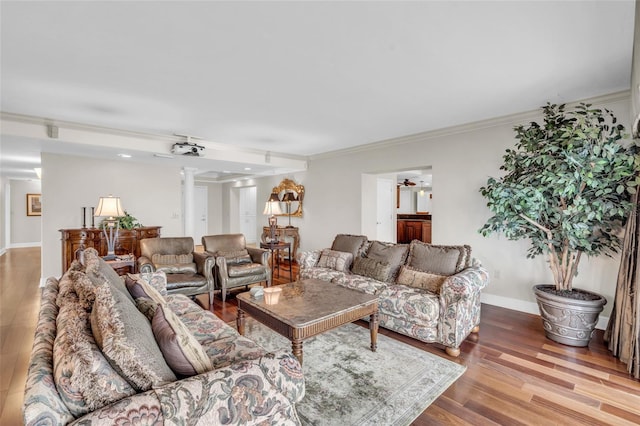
437 259
235 256
125 337
360 283
353 244
84 378
419 279
181 350
177 268
337 260
371 268
244 269
157 280
323 274
393 254
99 272
171 259
147 307
140 288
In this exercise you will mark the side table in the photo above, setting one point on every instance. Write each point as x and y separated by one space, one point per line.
124 264
275 247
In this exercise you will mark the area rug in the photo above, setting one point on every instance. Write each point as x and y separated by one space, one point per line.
348 384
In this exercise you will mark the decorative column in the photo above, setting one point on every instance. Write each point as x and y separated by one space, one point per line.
188 194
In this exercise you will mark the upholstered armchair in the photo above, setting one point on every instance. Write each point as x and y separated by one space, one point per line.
188 272
236 264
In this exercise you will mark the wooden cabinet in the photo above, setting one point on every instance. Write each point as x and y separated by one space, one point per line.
127 241
283 233
409 230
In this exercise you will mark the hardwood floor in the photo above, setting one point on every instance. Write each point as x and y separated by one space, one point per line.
514 374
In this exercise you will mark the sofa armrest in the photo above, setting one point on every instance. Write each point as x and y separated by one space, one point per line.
464 285
145 265
135 407
248 392
204 263
259 255
308 259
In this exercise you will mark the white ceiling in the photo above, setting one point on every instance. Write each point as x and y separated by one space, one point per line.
299 78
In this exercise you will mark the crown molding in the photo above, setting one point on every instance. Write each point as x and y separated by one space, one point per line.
465 128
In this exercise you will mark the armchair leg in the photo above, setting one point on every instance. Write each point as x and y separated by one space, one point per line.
211 300
223 293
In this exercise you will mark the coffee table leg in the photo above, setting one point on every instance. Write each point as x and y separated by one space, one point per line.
373 328
240 322
296 347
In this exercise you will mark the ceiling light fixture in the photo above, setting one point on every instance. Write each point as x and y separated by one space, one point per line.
159 155
124 155
247 168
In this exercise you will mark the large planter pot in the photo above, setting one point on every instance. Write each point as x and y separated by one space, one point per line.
566 320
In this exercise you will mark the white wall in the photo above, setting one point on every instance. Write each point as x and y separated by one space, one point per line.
3 225
150 193
462 158
24 230
214 207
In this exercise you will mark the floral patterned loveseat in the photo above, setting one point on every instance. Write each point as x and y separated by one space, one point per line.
428 292
83 370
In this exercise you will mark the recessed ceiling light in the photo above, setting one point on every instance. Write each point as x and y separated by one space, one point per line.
159 155
247 168
124 155
226 171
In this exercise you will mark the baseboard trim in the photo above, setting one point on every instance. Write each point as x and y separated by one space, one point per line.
25 245
527 307
2 251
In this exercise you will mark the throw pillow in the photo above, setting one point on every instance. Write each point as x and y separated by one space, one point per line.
181 350
419 279
392 254
125 337
444 260
140 288
83 377
372 268
338 260
147 306
353 244
99 272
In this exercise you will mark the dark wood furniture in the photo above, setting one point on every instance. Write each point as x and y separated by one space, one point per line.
413 229
126 243
123 265
308 308
283 233
275 248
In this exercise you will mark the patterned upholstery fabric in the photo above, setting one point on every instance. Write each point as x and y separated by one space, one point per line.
445 318
443 260
180 349
333 259
260 390
418 279
140 288
372 268
84 378
157 280
125 337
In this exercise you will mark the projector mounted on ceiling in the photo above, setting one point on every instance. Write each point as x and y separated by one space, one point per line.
187 148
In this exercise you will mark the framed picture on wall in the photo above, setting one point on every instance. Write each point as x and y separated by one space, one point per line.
34 206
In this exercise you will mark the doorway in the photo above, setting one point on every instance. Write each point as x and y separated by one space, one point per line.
384 210
247 209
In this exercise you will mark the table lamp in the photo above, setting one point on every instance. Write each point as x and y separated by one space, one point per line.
288 198
272 208
110 208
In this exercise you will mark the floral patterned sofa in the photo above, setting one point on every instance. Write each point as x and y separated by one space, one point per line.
428 292
110 350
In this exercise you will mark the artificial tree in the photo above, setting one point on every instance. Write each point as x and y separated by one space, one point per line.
567 188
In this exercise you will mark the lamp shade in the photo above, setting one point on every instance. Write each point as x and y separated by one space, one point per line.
273 197
289 197
272 207
109 206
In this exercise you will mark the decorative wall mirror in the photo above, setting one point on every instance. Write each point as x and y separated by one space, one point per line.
295 196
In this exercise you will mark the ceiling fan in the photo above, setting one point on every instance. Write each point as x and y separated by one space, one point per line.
407 182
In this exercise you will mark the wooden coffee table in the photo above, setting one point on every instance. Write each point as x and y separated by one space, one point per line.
309 307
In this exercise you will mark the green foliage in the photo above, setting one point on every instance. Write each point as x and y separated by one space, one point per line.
567 187
126 222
